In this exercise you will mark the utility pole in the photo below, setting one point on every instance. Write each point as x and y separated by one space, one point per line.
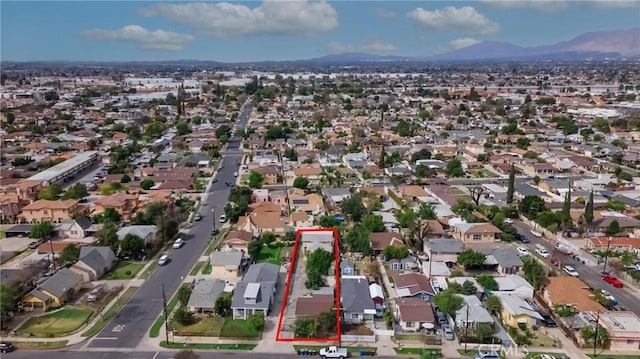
53 259
595 336
166 315
606 255
466 328
213 218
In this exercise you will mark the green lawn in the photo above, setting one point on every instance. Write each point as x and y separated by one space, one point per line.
536 355
157 325
270 255
125 270
204 327
207 268
206 346
239 329
196 268
41 345
122 299
215 241
352 350
150 269
60 323
432 353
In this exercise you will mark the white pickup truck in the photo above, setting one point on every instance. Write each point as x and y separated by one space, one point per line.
333 352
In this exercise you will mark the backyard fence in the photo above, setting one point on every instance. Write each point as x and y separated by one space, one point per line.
358 338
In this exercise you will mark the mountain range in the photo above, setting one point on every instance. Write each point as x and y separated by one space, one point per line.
593 45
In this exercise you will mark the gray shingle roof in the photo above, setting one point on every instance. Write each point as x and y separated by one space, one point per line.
61 282
502 256
205 293
262 302
226 258
262 273
355 295
445 246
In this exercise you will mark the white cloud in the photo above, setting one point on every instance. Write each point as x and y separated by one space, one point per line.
371 46
157 40
463 42
386 14
272 17
542 5
464 19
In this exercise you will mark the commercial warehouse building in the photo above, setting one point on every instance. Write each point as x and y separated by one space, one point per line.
67 169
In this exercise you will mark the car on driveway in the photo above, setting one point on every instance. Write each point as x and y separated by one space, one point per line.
448 332
164 259
522 251
178 243
615 282
570 271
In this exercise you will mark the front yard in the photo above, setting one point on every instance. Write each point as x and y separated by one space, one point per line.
203 327
351 329
124 270
60 323
239 329
270 255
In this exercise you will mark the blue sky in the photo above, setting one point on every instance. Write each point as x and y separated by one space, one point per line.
287 30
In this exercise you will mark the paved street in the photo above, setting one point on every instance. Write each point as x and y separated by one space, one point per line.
24 354
589 274
134 320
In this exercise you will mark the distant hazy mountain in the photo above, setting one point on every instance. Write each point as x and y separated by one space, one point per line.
611 44
595 45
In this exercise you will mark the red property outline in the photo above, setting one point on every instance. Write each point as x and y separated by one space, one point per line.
294 255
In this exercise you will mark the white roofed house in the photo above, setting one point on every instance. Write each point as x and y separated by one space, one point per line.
514 284
146 232
204 295
476 313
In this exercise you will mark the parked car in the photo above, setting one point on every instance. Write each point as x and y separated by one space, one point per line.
164 259
178 243
482 354
522 238
612 280
548 321
334 352
609 296
522 251
508 220
7 347
34 244
570 271
442 318
197 217
542 252
448 332
223 218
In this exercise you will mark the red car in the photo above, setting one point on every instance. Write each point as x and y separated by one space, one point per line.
612 280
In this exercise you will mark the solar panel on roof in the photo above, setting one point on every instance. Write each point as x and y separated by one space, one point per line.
300 201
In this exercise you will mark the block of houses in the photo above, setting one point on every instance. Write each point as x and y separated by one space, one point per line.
381 240
503 260
413 285
255 293
94 262
624 330
414 314
516 312
570 291
125 204
144 231
514 284
443 250
226 264
477 314
357 305
238 240
54 292
476 232
204 295
314 305
52 211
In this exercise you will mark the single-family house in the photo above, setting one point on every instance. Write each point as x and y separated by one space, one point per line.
347 267
357 305
314 305
225 264
381 240
54 292
503 260
144 231
407 263
93 262
514 284
312 240
472 313
256 291
476 232
238 240
414 285
414 314
516 312
125 204
443 250
204 295
74 229
377 295
623 328
336 195
53 211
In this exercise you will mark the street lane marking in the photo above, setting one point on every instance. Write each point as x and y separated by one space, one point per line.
118 328
156 355
107 338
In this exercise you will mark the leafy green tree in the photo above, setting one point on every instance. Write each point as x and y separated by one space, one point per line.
427 211
357 239
254 248
354 208
314 281
256 321
483 331
125 179
222 307
471 259
255 179
613 228
530 206
448 302
565 215
466 288
406 217
493 304
305 327
373 223
394 252
146 184
511 185
8 302
184 293
77 191
534 272
132 244
183 128
109 215
588 333
41 230
301 182
184 316
454 168
588 210
268 238
50 192
320 261
69 255
328 222
108 236
488 282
